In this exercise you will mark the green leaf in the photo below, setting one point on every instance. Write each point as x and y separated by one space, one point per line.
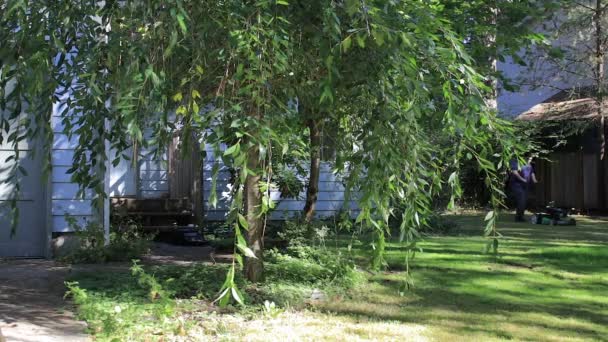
346 43
243 221
234 149
246 251
177 97
489 215
361 41
236 296
182 23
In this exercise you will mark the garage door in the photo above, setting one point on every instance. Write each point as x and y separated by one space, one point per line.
30 238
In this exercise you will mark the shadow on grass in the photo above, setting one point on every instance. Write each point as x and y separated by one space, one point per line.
547 283
467 301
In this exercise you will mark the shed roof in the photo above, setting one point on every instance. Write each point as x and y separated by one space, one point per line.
570 104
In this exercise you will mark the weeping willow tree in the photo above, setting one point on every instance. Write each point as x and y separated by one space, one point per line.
392 75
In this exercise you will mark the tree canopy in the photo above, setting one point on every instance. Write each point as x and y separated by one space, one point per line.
395 77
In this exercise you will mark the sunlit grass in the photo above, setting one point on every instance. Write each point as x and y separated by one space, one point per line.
546 284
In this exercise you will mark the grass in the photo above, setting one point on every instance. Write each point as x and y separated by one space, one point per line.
547 284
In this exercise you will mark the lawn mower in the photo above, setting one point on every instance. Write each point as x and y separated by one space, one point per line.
554 216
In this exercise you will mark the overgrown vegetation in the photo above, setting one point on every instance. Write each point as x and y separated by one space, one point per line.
388 76
149 300
125 244
545 285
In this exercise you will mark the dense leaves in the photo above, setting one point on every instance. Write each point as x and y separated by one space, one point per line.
394 77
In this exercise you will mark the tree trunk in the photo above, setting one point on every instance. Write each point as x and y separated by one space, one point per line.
492 101
254 267
599 74
315 166
599 71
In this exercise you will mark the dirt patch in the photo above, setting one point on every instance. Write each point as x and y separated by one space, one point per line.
164 253
32 307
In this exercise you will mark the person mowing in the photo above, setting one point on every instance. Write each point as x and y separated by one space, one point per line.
520 181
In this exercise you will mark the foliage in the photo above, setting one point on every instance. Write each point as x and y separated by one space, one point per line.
389 75
460 293
297 232
123 245
440 224
309 265
288 183
120 305
116 306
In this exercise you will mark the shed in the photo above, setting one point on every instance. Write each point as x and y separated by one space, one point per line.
574 175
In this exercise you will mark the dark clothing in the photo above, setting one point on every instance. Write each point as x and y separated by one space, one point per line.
520 197
518 189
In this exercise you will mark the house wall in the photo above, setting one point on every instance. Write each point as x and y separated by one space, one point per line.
123 177
153 182
330 200
30 237
63 190
511 104
146 178
541 78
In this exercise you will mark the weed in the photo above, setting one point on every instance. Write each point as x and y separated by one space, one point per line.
439 224
460 292
124 245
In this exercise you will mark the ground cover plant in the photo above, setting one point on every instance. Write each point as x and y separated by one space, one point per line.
124 244
547 283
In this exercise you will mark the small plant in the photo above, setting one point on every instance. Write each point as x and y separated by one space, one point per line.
74 291
125 243
439 224
271 310
288 183
147 281
152 286
100 320
296 233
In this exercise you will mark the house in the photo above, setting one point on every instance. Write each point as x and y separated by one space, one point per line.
46 208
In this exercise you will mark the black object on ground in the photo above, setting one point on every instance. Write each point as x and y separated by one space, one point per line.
553 216
189 236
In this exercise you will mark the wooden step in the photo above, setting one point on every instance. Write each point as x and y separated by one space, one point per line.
166 228
159 213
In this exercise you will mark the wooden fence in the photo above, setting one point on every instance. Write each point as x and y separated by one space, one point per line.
576 180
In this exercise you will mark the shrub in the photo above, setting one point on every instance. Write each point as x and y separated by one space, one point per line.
439 224
124 244
199 280
310 265
300 233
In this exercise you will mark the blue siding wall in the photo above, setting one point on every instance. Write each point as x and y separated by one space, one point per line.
153 178
153 182
63 191
123 180
330 200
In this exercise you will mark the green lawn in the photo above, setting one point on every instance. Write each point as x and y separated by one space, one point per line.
547 283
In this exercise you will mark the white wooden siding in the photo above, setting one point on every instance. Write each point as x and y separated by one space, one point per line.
153 181
122 178
64 199
330 198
